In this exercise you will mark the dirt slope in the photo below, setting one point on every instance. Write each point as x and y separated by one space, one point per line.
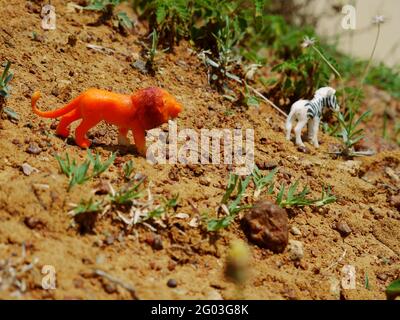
33 209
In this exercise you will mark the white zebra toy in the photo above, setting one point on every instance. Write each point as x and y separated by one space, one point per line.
310 111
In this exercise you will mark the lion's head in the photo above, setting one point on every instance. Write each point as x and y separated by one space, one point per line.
155 106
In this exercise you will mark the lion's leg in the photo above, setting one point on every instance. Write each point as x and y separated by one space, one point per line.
62 128
140 139
123 137
80 132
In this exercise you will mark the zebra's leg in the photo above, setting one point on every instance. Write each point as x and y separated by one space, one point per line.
315 129
297 130
289 125
310 130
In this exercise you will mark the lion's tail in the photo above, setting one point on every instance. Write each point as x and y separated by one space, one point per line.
55 113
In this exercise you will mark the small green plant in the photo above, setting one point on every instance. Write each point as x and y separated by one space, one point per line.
261 182
98 166
102 5
127 194
350 132
249 99
366 282
128 169
162 209
106 7
169 17
87 206
171 203
293 198
393 290
227 38
78 174
5 79
231 208
326 198
85 215
152 52
123 21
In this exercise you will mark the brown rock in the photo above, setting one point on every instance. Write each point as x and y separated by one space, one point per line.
267 226
395 201
382 276
303 149
343 228
33 149
172 283
265 165
109 287
33 223
155 241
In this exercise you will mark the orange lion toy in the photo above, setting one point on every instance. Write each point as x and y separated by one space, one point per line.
144 110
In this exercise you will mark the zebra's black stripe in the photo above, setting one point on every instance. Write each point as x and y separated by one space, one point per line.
315 106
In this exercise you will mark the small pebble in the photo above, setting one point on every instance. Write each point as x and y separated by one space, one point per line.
157 243
303 149
395 201
296 251
110 239
102 188
172 283
343 228
205 182
140 65
382 276
32 222
78 283
28 169
72 40
139 176
171 265
110 288
263 140
33 149
295 231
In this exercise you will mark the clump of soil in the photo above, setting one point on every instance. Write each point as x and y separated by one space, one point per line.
267 226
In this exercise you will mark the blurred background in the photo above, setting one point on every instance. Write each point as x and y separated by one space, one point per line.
359 42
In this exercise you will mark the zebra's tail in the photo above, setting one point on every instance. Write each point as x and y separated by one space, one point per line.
289 123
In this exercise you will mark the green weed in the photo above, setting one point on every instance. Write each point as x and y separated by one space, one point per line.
5 79
261 182
295 198
393 290
232 208
350 132
98 166
126 195
128 169
78 173
87 206
106 7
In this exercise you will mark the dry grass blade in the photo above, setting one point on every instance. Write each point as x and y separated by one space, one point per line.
119 282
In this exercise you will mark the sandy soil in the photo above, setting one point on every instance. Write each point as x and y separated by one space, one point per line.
33 209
